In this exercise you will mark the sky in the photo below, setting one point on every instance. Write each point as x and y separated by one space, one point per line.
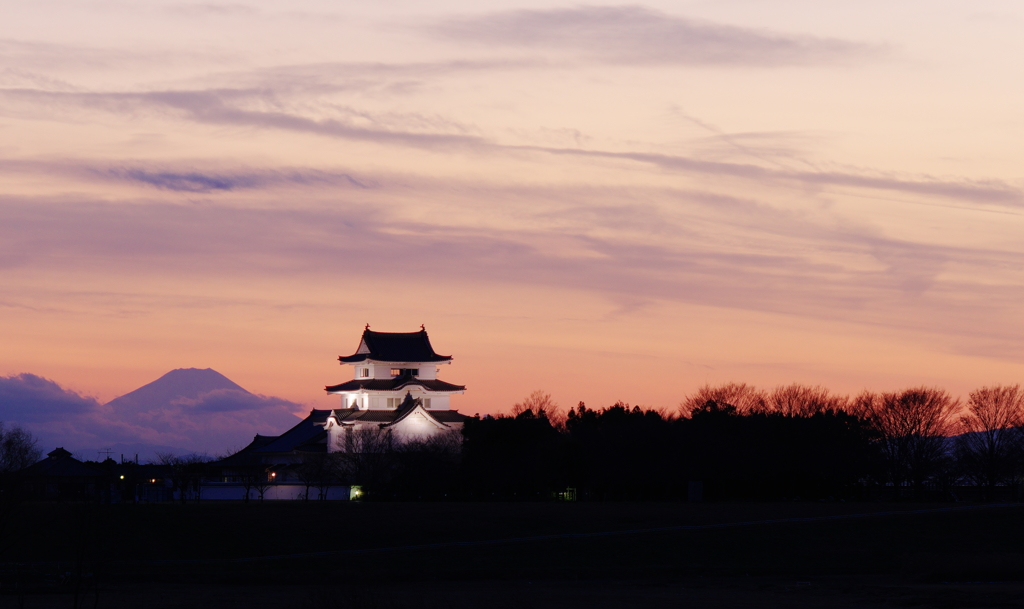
602 201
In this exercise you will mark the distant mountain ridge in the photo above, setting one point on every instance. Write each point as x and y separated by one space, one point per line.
187 383
185 410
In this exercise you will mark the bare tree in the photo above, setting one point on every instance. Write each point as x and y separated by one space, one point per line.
366 455
913 425
447 442
803 400
427 466
743 397
186 473
989 447
863 404
18 449
540 403
261 482
249 474
316 470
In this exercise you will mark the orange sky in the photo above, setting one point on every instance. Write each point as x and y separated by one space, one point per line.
607 202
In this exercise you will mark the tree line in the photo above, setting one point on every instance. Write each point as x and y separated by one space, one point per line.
727 441
733 441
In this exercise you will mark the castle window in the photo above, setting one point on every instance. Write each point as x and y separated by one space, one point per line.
394 402
364 372
396 371
426 402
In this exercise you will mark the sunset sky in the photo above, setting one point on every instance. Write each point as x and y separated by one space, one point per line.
604 201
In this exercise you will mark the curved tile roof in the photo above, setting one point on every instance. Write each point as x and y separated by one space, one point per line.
394 347
394 384
353 415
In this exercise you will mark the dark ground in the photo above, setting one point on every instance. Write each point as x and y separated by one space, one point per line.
164 556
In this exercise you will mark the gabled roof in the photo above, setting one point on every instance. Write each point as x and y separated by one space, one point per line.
410 405
316 444
303 432
245 456
394 384
394 347
298 438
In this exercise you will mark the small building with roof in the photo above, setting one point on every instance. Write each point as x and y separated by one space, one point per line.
60 476
275 467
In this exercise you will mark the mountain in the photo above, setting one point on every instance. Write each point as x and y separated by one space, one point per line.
200 410
175 386
186 410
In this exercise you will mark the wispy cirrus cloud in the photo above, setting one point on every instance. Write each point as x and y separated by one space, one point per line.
638 35
228 107
47 57
184 177
689 253
202 182
239 107
206 9
996 192
367 78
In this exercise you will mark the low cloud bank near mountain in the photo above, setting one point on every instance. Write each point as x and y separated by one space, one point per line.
186 410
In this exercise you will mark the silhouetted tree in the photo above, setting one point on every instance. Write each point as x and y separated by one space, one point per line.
540 404
769 455
319 471
251 473
713 410
912 426
427 468
366 457
18 449
802 400
744 398
621 452
513 457
186 473
989 447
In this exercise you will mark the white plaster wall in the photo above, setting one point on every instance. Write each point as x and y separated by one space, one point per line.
276 492
345 399
382 370
427 371
379 400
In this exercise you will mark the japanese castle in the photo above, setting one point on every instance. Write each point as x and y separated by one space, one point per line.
394 387
394 394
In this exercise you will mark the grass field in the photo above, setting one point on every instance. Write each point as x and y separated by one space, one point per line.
233 555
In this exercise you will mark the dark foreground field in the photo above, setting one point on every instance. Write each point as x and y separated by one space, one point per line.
480 555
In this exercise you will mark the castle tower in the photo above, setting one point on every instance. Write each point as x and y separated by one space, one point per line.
394 387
